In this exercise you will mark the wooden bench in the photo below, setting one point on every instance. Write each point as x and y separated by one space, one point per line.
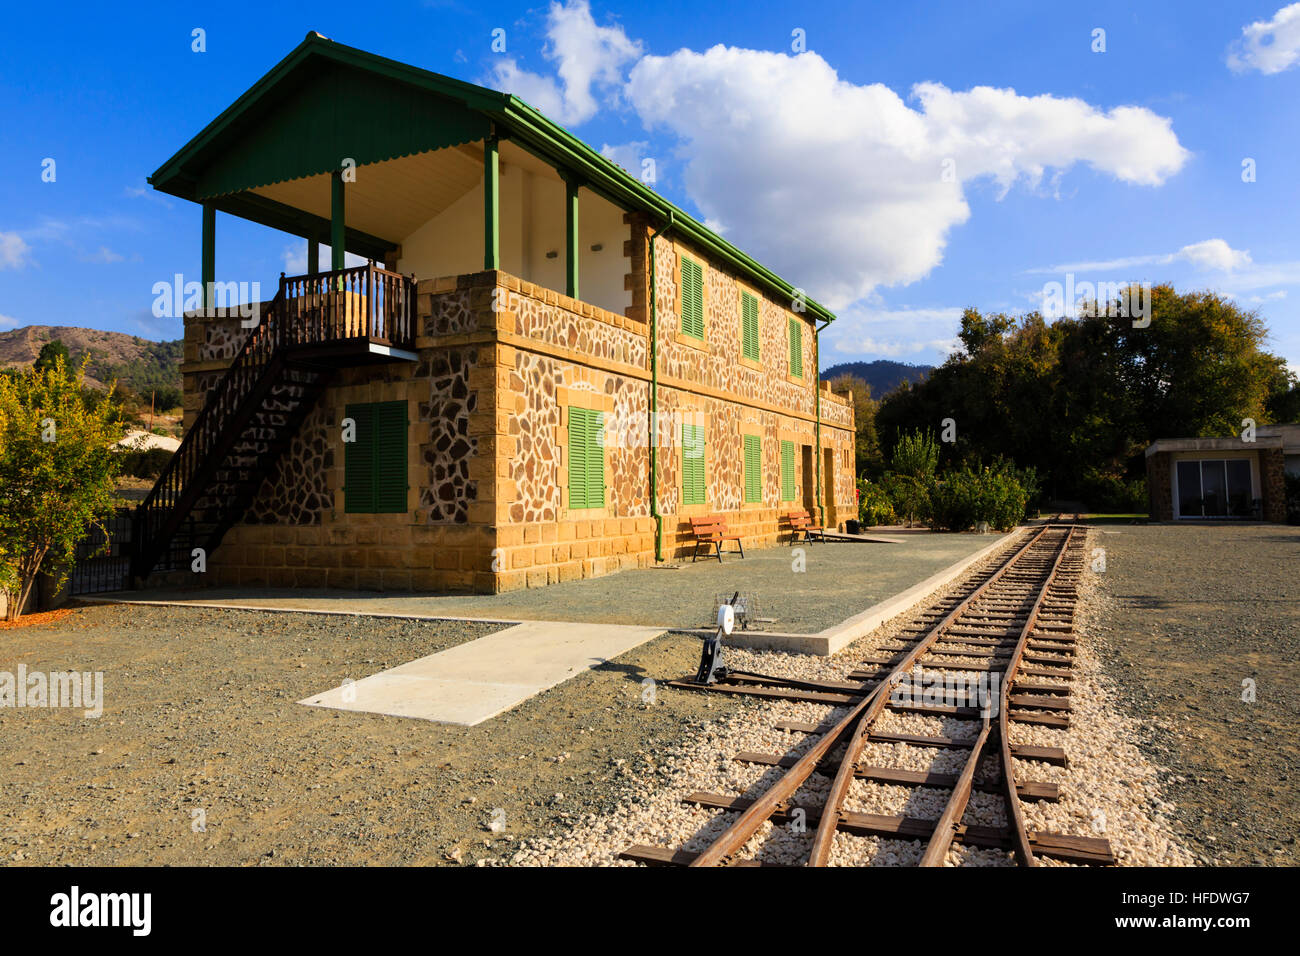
712 530
801 524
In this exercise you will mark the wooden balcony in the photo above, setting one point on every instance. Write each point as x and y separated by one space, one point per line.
365 313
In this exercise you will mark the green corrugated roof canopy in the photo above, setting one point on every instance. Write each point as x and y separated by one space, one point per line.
326 100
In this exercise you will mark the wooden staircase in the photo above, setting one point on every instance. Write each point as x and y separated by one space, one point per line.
314 326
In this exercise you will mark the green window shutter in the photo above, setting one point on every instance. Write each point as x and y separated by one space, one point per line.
692 298
596 460
749 326
390 461
693 465
753 468
358 455
375 464
787 471
577 458
586 458
796 348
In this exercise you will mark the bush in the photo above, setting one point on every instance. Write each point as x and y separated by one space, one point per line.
1028 479
874 506
1113 494
963 498
916 455
57 474
909 496
145 464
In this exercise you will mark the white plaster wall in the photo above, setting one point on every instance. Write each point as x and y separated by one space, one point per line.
532 224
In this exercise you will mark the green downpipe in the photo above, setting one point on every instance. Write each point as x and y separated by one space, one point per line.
654 392
817 405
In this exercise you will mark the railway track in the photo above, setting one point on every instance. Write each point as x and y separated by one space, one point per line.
1003 645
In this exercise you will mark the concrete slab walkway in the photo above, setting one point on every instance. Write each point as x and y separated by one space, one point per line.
805 590
475 681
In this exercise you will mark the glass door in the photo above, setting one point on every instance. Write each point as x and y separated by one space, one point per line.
1240 500
1214 488
1189 489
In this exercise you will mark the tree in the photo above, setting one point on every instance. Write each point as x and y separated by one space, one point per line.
57 474
51 353
916 455
866 446
1079 399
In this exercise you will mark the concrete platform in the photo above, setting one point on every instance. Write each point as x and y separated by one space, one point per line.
805 590
473 682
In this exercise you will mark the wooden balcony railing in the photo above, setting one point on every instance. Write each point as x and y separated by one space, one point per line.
362 304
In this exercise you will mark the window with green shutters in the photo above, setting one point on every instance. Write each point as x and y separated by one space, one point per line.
787 471
749 326
692 299
753 468
693 465
586 458
375 464
796 348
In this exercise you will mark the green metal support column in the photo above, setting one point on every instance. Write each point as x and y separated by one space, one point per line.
338 238
209 257
491 205
313 256
571 251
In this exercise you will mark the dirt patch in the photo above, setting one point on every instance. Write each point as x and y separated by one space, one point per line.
200 715
34 620
1192 613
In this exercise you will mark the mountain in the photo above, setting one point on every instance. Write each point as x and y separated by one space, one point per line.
882 375
138 363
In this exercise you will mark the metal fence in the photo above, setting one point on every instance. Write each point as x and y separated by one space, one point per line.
104 557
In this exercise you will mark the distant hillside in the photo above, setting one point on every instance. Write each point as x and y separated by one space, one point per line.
882 375
137 363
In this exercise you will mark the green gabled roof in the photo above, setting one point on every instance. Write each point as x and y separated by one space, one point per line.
393 109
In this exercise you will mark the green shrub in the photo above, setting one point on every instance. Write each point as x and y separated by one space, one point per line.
145 464
909 496
1113 494
916 455
963 498
874 506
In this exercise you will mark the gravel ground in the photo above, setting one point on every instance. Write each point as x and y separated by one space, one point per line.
1110 789
837 580
199 714
1189 612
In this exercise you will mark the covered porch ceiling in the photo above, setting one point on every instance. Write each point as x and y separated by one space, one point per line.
392 198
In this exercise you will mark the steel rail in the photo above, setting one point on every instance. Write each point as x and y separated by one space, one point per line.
945 830
852 726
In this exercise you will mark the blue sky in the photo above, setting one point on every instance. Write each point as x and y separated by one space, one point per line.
899 161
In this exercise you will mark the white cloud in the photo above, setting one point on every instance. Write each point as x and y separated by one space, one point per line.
841 187
1269 46
103 255
1214 254
585 56
1210 254
893 333
8 322
294 257
13 251
627 155
148 192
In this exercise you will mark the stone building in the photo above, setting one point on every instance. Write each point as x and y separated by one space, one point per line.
551 372
1206 478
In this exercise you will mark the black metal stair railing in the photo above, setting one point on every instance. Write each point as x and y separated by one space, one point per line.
363 303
